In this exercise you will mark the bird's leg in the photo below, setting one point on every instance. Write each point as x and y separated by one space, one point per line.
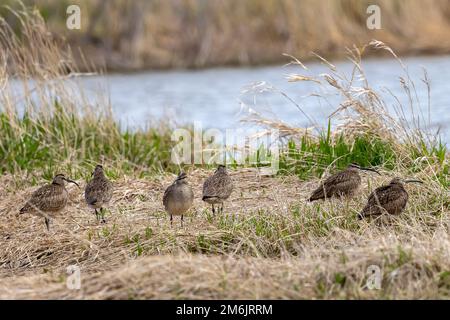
171 220
102 213
221 208
182 218
213 210
47 223
96 214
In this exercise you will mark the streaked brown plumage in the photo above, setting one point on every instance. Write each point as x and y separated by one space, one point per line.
98 192
49 199
217 188
178 197
391 199
343 183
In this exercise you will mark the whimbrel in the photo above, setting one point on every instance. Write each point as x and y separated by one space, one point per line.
217 188
344 183
49 199
98 192
391 198
178 197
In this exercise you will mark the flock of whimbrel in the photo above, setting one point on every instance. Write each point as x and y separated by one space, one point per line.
391 198
178 198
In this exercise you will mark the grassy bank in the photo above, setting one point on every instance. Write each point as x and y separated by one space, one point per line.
269 233
48 124
130 35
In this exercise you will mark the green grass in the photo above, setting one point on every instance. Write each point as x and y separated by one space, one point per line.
311 157
73 144
70 143
62 133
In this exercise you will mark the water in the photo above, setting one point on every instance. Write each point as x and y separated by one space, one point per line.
215 96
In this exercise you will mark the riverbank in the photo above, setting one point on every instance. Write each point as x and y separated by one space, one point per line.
60 129
125 36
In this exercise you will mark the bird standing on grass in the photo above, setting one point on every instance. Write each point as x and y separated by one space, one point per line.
217 188
98 192
178 197
344 183
49 200
391 198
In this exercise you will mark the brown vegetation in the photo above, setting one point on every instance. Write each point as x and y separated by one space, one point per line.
168 33
269 243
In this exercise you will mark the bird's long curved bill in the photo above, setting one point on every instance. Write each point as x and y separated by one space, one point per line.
71 181
370 169
413 181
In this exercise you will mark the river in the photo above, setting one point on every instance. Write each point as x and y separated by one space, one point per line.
215 97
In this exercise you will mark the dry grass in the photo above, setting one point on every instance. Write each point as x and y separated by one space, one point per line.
270 243
47 120
132 35
230 277
363 110
369 126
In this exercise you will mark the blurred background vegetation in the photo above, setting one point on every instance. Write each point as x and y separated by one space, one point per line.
132 35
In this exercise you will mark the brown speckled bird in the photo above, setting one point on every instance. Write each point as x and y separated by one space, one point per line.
391 198
48 200
217 188
178 197
98 192
344 183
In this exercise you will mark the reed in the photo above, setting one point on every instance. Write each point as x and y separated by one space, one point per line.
49 124
366 129
131 35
